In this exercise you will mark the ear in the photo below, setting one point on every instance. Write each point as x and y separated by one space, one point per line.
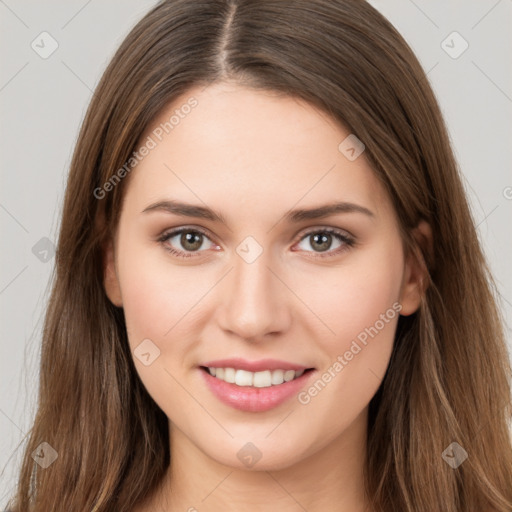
415 276
110 279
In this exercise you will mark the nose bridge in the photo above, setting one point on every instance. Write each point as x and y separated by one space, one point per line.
253 304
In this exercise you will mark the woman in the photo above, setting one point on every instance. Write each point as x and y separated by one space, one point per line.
326 339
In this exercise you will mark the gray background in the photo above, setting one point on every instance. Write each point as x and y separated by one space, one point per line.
43 101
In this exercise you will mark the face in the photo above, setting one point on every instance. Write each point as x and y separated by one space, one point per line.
223 258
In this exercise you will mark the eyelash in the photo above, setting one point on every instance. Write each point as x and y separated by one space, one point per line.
341 236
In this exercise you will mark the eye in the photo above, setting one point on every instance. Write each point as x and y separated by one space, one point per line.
184 242
321 241
191 241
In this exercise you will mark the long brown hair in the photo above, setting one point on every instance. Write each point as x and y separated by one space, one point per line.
449 375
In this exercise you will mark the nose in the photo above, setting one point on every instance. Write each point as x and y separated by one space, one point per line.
254 301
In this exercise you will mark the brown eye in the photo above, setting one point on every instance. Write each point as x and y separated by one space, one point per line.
191 240
324 240
184 241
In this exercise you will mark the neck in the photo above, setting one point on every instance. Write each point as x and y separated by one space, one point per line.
329 480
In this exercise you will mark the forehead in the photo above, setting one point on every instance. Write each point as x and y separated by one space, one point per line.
250 152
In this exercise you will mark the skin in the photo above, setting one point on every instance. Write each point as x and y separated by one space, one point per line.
272 154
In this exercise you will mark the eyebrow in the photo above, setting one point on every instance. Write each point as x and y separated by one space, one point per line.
293 216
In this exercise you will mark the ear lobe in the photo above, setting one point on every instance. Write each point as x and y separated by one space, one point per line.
110 279
415 279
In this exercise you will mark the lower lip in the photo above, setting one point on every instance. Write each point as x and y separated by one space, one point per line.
252 399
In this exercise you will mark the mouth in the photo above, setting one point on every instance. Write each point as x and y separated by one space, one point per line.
255 391
261 379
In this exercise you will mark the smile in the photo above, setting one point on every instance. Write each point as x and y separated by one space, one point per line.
257 391
262 379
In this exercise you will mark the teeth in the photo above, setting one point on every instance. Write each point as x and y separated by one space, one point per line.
243 378
277 377
262 379
229 375
288 375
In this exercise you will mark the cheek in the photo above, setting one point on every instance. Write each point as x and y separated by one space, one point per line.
146 303
156 295
360 306
157 302
355 295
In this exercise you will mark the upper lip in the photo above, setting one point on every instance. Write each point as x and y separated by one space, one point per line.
254 366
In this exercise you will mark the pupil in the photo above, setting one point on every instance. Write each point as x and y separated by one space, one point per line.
321 241
191 241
